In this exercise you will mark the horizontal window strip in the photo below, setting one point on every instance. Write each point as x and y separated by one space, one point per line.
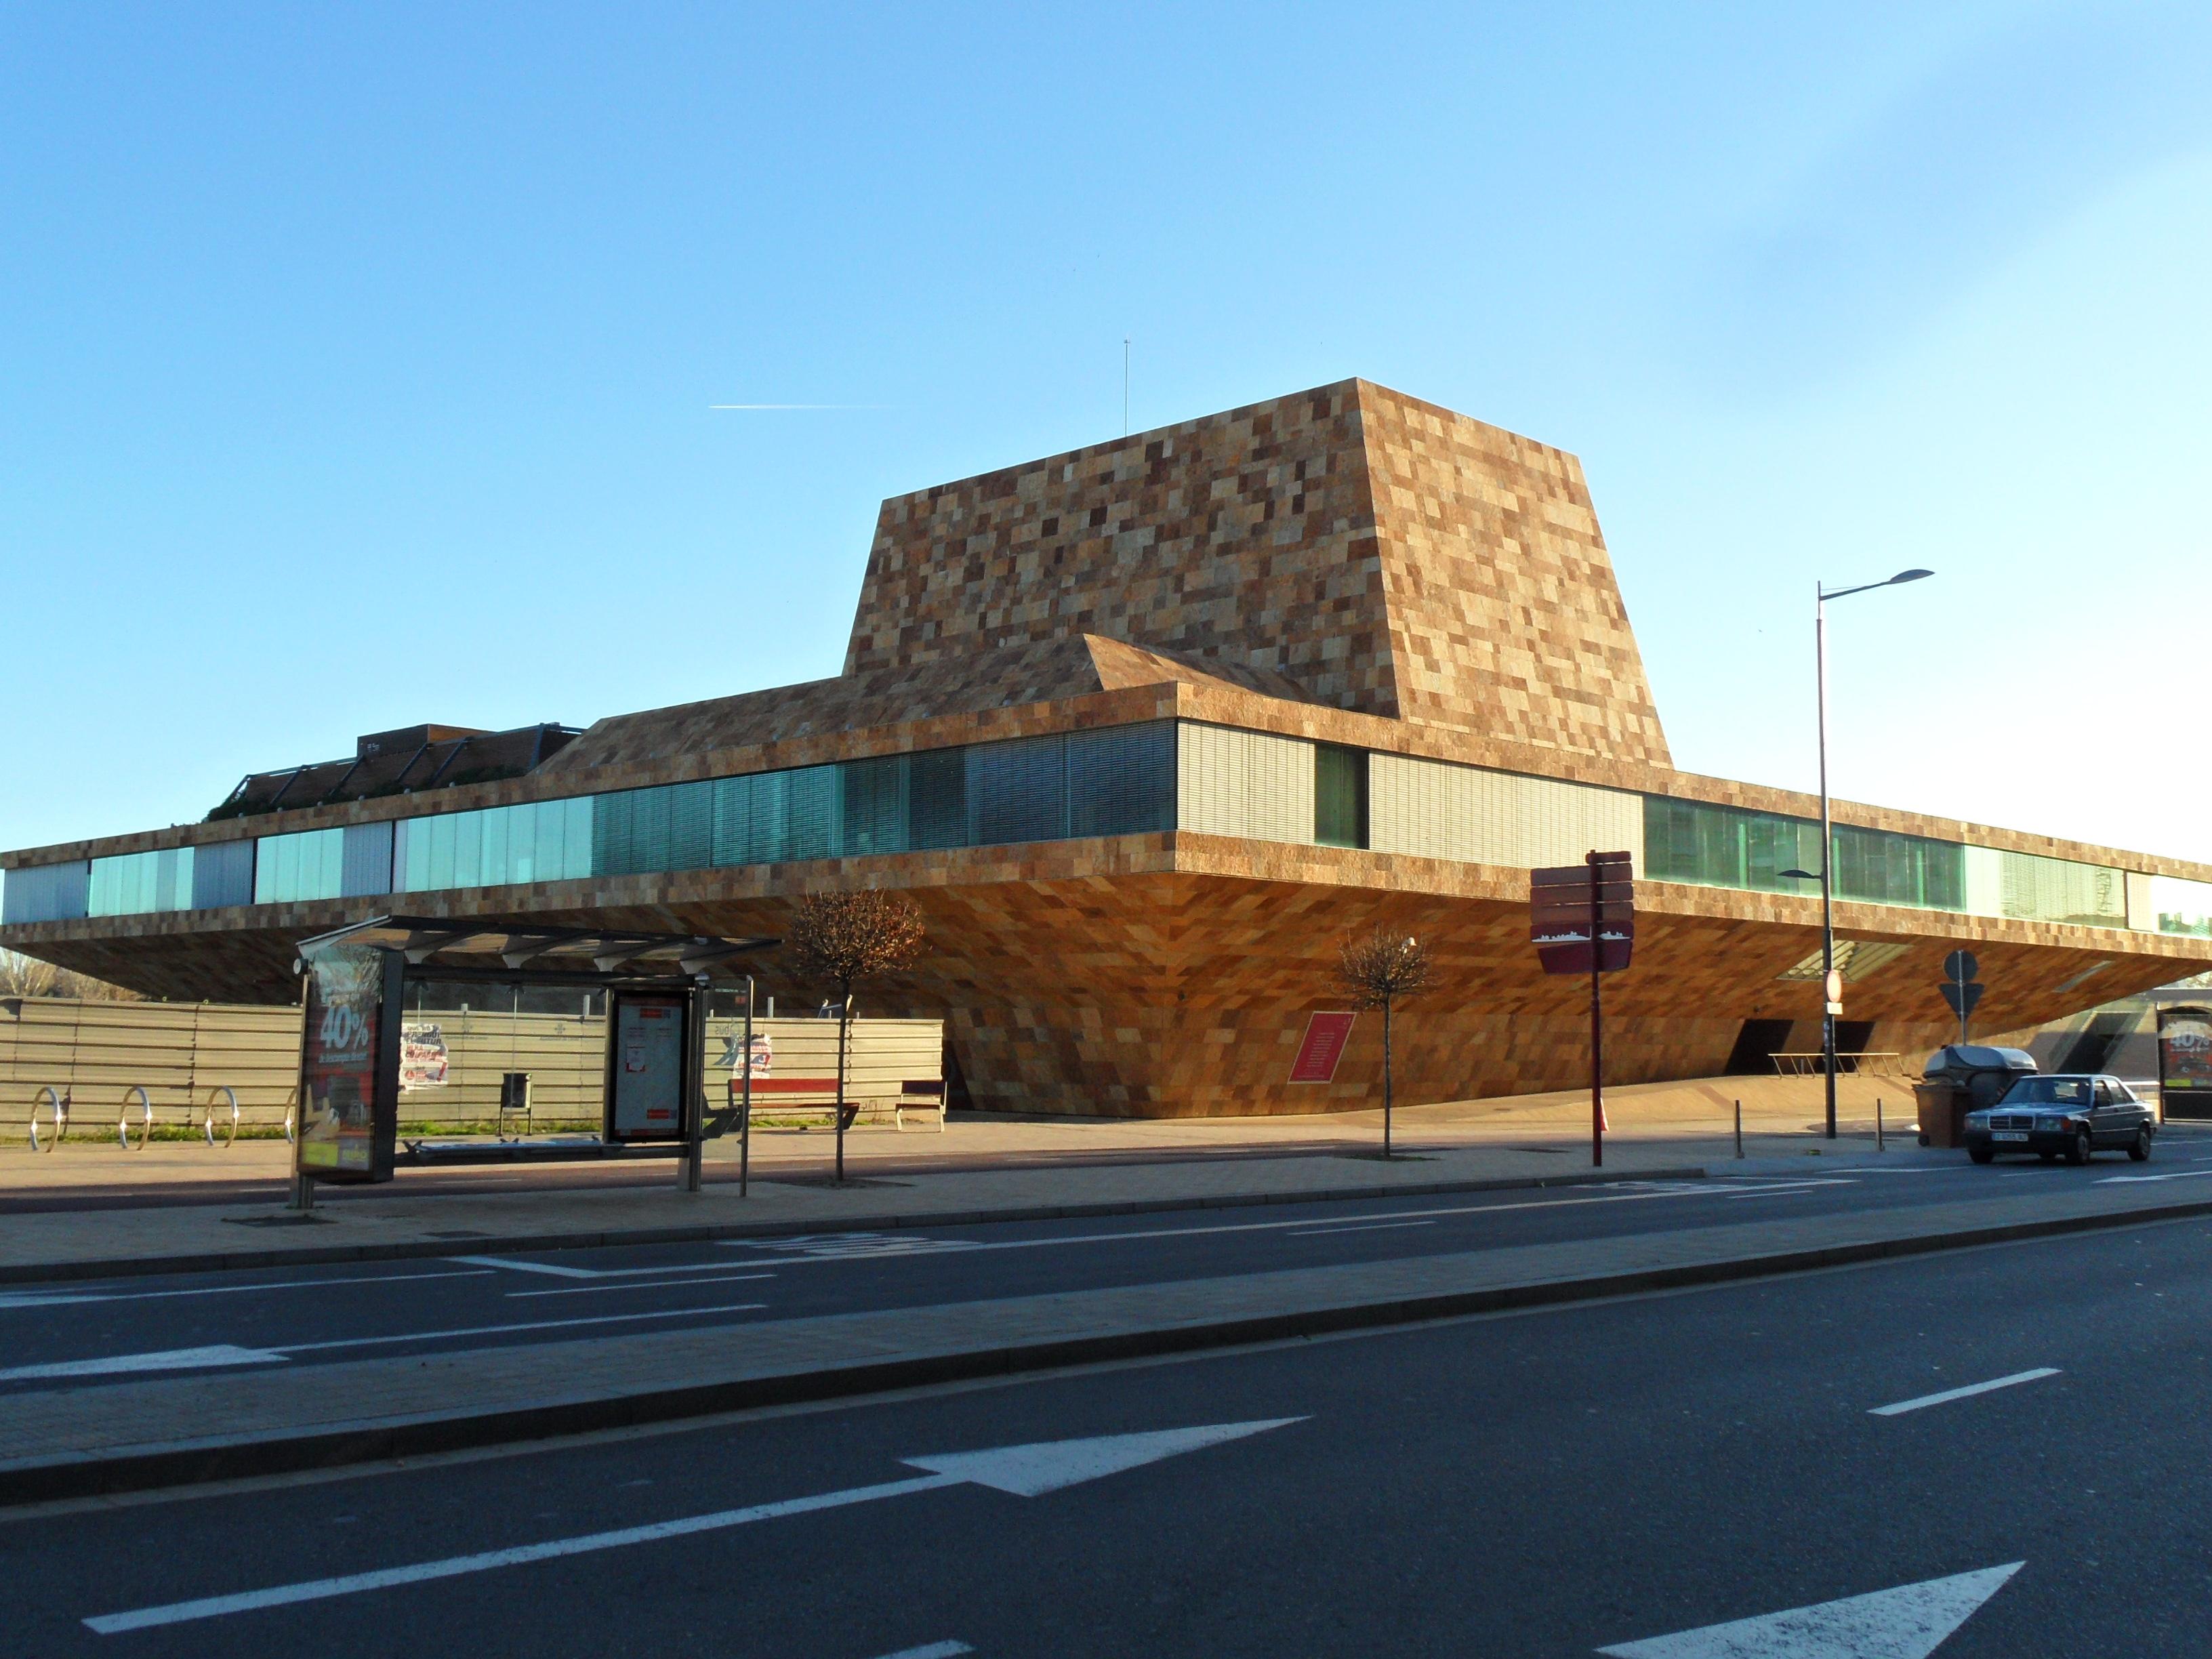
1151 777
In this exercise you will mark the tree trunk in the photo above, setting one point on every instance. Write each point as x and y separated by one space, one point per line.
844 1020
1386 1077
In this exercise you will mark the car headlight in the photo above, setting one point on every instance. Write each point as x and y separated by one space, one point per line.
1977 1120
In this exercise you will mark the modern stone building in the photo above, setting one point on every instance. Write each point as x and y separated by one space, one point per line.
1146 729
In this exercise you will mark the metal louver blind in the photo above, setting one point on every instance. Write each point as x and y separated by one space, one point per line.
1121 779
690 808
46 892
222 873
812 827
365 865
734 821
1017 791
875 804
937 799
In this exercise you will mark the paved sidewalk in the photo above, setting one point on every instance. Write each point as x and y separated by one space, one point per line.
395 1223
991 1168
71 1442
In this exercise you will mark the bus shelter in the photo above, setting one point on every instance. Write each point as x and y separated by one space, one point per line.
650 991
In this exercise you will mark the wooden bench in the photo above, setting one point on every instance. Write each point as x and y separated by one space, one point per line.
775 1094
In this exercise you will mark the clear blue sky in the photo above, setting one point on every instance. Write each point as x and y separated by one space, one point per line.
356 363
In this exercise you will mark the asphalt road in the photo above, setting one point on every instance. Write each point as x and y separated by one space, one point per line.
90 1334
1558 1482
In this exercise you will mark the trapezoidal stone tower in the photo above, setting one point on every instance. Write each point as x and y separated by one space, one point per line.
1336 564
1358 547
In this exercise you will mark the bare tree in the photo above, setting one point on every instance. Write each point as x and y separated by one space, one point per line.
26 976
1380 968
847 937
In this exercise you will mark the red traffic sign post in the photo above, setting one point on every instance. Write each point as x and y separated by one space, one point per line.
1582 919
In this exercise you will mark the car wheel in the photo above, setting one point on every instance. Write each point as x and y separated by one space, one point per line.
1981 1154
2140 1149
2079 1151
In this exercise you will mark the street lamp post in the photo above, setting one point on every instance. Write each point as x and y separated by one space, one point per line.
1829 1002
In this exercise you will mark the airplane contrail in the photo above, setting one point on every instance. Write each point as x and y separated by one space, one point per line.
798 405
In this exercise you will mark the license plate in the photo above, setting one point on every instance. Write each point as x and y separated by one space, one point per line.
2009 1135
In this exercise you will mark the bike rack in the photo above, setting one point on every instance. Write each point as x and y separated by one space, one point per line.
145 1119
57 1103
221 1093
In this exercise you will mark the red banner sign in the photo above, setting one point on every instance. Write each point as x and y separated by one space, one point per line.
1323 1045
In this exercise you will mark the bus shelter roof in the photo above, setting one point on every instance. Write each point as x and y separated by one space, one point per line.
433 942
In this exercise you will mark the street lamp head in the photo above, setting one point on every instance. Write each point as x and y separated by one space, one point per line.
1908 576
1799 875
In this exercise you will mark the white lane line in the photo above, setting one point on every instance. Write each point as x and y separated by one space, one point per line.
1971 1390
168 1360
1770 1192
500 1330
643 1285
1685 1190
1354 1227
553 1272
931 1650
63 1299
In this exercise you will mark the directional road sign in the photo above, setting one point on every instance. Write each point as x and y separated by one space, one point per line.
1560 901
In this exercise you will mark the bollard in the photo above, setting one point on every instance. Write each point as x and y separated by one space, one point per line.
1878 1144
1739 1128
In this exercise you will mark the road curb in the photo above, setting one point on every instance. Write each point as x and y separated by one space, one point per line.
77 1475
597 1238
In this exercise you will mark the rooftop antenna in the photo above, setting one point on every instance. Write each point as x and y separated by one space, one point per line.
1125 385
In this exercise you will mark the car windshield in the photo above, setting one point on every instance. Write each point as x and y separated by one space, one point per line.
2048 1092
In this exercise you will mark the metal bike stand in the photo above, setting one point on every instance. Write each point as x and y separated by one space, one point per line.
54 1100
145 1119
224 1092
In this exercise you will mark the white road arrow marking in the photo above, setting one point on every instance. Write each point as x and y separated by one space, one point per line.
1026 1471
932 1650
1031 1471
1909 1622
185 1359
550 1271
2178 1174
168 1359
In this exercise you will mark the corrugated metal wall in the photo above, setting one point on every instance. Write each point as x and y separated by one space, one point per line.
179 1051
1434 809
1251 784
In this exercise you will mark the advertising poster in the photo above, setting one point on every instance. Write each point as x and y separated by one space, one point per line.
338 1073
2184 1060
645 1096
422 1057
